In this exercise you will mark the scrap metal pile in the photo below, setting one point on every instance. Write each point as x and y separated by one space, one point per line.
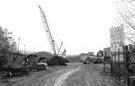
19 64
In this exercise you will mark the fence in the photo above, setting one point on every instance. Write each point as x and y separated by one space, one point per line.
122 66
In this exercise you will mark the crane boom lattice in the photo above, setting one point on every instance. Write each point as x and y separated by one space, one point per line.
49 36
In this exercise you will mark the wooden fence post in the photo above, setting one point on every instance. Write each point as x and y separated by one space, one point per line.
127 66
104 62
115 72
112 66
119 69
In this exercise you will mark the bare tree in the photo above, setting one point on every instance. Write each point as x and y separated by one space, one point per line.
126 10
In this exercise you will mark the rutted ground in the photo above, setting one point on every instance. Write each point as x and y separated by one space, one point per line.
72 75
89 75
60 81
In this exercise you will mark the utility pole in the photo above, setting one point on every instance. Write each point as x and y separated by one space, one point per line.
24 49
18 43
34 50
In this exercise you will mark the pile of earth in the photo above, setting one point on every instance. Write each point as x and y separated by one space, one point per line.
57 61
53 60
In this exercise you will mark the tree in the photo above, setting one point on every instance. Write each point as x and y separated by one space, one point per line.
126 10
7 45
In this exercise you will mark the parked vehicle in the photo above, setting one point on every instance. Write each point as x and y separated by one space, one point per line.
99 57
85 59
35 62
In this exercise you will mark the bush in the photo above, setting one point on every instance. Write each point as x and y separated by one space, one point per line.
3 62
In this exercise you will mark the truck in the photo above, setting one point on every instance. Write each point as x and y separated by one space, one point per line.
85 59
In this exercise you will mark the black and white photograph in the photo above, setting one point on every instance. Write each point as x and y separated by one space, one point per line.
67 42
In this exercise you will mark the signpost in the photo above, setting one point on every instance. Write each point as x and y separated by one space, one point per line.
117 41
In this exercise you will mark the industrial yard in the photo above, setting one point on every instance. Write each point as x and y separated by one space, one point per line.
88 47
75 74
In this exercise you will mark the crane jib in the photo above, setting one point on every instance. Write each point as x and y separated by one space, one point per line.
49 36
50 39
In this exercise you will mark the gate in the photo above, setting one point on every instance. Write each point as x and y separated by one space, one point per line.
123 65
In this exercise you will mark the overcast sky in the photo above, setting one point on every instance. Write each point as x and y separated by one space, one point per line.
82 25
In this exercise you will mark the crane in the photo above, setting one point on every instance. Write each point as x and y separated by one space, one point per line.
50 39
59 50
46 26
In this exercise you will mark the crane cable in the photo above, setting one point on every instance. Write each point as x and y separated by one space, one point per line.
56 33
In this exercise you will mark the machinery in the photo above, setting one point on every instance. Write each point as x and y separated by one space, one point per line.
99 57
85 58
15 65
19 64
50 39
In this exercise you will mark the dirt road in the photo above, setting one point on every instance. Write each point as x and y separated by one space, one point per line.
73 75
